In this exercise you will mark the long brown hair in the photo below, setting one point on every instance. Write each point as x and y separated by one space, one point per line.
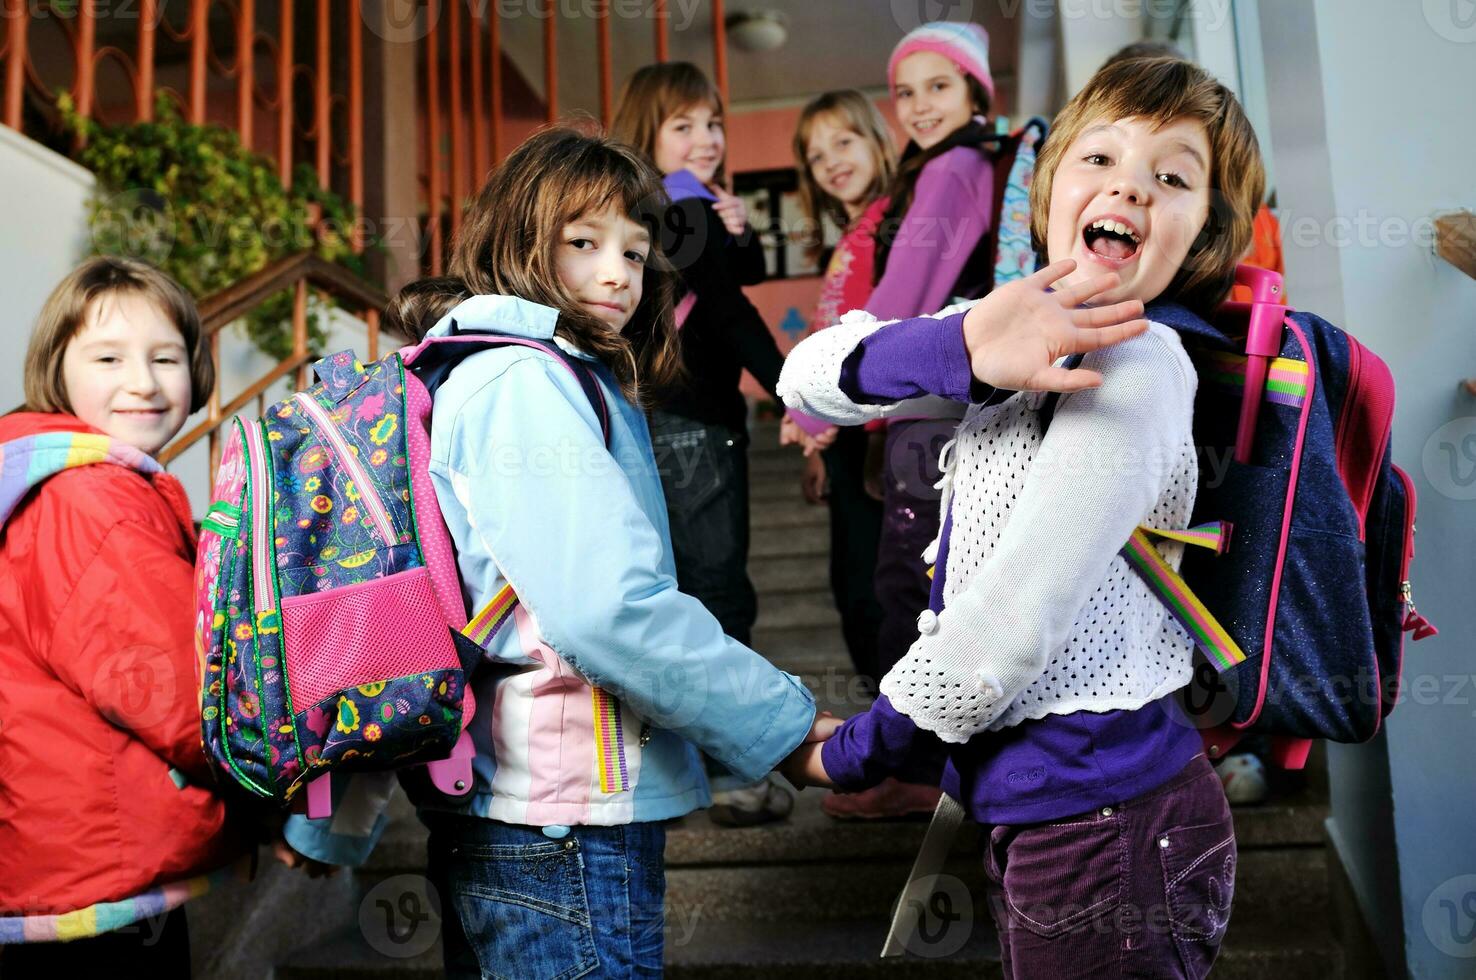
845 109
510 235
65 311
653 95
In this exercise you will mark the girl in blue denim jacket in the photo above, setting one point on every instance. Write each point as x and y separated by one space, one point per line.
610 679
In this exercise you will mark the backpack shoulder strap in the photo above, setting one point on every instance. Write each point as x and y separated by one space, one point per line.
434 358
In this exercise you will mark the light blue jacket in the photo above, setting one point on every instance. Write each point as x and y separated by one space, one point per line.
608 678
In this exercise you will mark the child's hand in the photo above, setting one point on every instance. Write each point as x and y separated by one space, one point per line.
283 852
803 767
1016 333
812 484
731 209
820 441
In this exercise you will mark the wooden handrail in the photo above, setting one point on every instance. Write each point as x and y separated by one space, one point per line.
236 301
303 271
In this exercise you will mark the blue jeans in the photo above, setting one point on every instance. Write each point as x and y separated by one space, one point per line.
518 904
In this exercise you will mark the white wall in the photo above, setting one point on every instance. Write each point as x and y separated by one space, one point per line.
43 234
1371 111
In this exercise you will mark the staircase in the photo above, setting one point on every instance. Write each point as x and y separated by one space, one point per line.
810 898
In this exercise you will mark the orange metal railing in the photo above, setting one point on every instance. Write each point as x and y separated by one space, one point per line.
462 89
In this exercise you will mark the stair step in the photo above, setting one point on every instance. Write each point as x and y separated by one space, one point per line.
788 573
794 644
836 950
789 513
811 607
789 542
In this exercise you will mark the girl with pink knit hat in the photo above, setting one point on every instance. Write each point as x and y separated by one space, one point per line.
931 246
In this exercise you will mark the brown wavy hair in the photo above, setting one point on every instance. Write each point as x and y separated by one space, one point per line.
846 109
65 311
653 95
1163 90
510 235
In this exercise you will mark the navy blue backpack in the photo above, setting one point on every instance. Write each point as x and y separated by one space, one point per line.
1298 595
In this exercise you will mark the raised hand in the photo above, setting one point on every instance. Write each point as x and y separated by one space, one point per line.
731 209
1016 333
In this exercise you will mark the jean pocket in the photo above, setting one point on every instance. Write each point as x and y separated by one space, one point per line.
1063 877
1199 886
695 465
524 909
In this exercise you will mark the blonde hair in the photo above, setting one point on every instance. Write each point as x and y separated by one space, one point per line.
1162 90
65 312
846 109
509 239
653 95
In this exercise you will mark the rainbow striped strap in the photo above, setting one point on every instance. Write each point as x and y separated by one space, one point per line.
1214 535
493 616
609 743
1216 642
1286 379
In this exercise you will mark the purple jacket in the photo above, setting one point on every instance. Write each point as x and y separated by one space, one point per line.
1041 769
950 214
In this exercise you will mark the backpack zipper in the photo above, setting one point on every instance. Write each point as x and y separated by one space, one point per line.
262 545
367 494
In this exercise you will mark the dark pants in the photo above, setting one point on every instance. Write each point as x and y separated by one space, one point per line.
1142 888
151 948
704 474
855 536
910 518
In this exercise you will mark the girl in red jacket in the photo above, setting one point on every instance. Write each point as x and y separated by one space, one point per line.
107 819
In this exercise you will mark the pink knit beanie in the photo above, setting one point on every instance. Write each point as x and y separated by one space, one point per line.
966 45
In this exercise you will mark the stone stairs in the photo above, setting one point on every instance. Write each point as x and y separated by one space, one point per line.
810 898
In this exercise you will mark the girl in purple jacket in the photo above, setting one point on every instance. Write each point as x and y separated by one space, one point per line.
1044 664
931 246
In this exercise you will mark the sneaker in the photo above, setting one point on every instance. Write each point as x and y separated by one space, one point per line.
1244 779
748 806
889 798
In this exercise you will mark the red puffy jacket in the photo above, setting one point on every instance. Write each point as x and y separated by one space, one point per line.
98 698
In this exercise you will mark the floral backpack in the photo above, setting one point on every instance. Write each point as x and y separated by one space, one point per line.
330 624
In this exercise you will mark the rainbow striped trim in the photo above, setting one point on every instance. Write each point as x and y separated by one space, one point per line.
609 743
26 462
1286 379
1216 642
108 916
494 615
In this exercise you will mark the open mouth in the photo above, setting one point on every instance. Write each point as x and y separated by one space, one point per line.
1112 240
924 127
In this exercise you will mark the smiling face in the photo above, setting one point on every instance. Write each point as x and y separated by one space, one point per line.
841 162
601 260
931 97
694 140
1130 198
127 371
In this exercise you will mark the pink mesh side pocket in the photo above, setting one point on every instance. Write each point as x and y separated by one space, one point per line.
358 634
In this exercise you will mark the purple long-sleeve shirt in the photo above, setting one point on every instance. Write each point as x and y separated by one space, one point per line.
949 215
1040 769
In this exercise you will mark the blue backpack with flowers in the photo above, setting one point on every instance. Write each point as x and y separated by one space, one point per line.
330 626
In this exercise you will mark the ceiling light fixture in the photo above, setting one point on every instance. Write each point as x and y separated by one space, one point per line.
757 30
